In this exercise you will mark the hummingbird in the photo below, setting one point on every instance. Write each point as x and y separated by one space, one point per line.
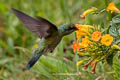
50 35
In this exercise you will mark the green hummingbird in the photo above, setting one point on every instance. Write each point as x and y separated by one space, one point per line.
50 34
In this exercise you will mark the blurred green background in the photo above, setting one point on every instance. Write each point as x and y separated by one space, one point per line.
16 42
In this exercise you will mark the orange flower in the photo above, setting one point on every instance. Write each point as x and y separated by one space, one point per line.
85 13
83 26
85 42
111 7
107 40
96 36
79 34
83 30
75 46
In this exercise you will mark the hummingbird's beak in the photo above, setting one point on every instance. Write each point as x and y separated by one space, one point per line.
76 28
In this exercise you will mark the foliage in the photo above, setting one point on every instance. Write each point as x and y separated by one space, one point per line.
16 41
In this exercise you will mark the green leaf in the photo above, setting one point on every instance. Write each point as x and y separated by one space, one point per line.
113 30
102 25
110 59
3 8
117 41
3 61
116 20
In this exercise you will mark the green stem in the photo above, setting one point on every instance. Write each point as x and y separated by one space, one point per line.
109 13
106 3
76 56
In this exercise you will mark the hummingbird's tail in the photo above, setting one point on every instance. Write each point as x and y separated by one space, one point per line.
34 58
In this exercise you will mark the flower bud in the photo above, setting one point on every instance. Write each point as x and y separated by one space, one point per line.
81 62
115 47
85 13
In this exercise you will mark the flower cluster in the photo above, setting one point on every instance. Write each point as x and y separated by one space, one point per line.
112 8
95 45
92 43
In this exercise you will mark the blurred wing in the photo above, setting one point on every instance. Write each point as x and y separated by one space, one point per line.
41 27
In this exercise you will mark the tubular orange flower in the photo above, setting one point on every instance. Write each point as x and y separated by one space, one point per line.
111 7
83 30
85 42
79 34
85 13
83 26
107 40
75 46
96 36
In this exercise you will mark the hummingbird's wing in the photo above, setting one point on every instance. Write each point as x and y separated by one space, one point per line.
41 27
